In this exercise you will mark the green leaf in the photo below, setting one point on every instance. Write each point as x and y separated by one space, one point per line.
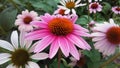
7 18
94 55
106 7
93 64
47 6
83 20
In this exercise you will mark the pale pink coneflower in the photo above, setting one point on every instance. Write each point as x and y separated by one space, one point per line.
107 37
20 54
116 9
23 20
70 5
59 32
60 11
91 24
79 63
95 7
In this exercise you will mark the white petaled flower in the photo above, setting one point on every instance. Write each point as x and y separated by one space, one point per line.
20 54
70 5
94 0
23 20
94 7
107 37
116 9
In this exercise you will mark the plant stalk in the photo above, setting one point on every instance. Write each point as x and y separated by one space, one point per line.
110 60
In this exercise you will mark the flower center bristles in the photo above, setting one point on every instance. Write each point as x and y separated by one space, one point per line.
61 11
94 6
60 26
118 8
27 19
113 35
20 57
70 4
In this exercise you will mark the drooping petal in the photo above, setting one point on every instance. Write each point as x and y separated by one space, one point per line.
27 66
98 38
81 33
10 66
64 46
33 65
36 35
22 38
39 56
85 43
6 45
74 52
53 49
77 2
28 44
2 61
73 11
32 48
14 39
78 27
98 34
4 55
75 40
80 5
40 24
62 7
46 41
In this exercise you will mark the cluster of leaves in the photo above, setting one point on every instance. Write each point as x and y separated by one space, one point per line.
9 9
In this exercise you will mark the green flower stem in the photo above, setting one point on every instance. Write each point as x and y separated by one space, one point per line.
14 4
95 16
88 11
59 57
65 63
110 60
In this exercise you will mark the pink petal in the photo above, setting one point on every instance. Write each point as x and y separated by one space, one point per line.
45 42
98 38
53 49
74 52
47 17
81 33
74 18
99 34
74 39
85 43
35 35
64 46
41 24
78 27
111 50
